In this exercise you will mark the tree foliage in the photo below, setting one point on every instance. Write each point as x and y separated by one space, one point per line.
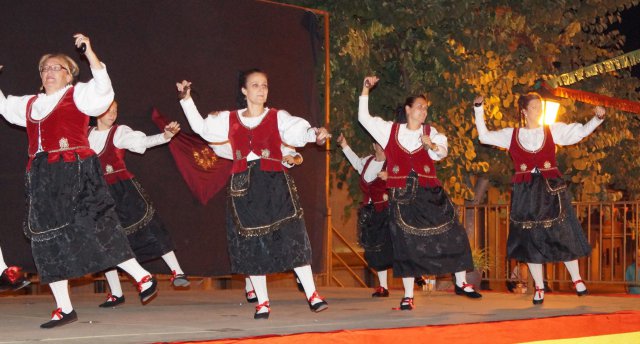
453 50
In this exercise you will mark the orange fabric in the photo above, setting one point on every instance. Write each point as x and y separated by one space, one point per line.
491 332
595 99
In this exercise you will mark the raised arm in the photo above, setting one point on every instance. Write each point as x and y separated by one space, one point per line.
569 134
376 126
353 158
215 128
139 142
500 138
94 97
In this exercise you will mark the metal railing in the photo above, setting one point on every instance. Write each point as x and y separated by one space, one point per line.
610 227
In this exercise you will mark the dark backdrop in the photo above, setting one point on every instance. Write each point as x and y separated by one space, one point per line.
147 46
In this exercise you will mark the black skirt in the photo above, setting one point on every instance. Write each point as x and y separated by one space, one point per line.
543 226
265 228
374 236
147 235
428 238
71 219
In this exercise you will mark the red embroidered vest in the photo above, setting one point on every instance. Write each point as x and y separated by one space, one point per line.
524 161
112 159
62 133
400 162
375 191
263 140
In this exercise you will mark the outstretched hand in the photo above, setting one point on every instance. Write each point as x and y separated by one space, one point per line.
342 141
322 134
600 112
171 129
369 83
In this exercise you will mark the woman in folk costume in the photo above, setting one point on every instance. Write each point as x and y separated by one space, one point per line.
11 277
373 216
147 235
71 220
265 228
427 237
543 227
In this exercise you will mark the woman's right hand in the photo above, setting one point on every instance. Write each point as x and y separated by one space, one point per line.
342 141
368 84
184 89
478 100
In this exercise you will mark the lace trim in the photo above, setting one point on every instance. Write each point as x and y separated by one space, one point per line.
150 210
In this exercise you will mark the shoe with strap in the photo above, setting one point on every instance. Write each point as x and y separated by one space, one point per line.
316 303
251 296
583 292
380 292
112 301
147 294
262 315
179 280
12 278
406 304
539 293
59 318
473 294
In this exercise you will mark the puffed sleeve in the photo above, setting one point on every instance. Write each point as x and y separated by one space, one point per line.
376 126
295 131
136 141
94 97
214 128
500 138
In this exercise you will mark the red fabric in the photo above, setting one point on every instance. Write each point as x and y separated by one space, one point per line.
375 191
204 173
64 131
401 162
501 332
524 161
112 160
594 98
263 140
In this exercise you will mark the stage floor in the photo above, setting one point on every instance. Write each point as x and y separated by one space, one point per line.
214 314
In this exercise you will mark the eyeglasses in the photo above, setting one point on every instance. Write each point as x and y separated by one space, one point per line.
55 68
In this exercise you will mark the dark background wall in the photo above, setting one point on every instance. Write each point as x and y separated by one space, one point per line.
149 45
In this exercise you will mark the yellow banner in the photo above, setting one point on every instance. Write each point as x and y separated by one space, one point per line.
623 61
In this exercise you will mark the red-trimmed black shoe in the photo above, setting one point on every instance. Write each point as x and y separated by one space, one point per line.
12 279
380 292
251 296
470 294
112 301
406 304
319 305
263 315
62 318
540 293
179 280
420 281
147 294
580 293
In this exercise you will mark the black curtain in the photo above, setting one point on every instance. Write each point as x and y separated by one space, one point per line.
149 45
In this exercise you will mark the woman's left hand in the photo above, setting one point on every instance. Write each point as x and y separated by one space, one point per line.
322 134
171 129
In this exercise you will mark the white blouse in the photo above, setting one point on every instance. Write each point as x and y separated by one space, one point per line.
92 98
409 139
125 138
294 131
532 139
358 164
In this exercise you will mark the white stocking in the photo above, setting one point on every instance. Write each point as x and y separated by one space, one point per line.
114 282
60 290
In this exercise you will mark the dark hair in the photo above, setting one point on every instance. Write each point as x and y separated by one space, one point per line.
401 113
524 101
241 100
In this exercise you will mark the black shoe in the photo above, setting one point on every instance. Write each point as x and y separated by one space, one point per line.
381 292
63 319
547 289
511 286
13 279
149 293
420 281
540 293
263 315
318 306
112 301
580 293
179 280
470 294
251 296
406 304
